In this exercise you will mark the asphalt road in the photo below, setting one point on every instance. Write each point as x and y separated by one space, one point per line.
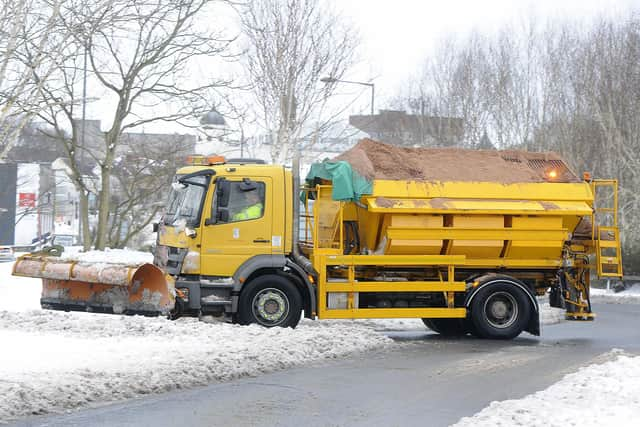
426 380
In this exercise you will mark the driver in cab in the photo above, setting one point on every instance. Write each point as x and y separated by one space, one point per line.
253 207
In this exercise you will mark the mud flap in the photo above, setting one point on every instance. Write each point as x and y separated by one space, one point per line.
534 323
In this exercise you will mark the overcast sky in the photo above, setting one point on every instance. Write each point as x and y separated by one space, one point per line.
398 35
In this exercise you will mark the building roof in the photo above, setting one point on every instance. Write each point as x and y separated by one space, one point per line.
398 127
36 145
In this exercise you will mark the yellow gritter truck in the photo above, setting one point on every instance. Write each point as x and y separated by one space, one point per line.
465 240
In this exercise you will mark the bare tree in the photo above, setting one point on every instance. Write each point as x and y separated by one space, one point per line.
29 41
514 81
141 176
451 85
141 54
292 44
592 108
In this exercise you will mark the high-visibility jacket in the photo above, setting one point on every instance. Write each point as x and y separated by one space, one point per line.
250 212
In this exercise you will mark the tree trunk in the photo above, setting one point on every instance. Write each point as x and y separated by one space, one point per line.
85 229
105 190
103 208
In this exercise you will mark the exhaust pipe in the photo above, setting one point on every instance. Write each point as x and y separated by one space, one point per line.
299 258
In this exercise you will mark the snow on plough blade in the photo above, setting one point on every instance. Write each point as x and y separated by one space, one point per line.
99 287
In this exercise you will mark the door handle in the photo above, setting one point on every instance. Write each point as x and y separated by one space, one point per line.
261 241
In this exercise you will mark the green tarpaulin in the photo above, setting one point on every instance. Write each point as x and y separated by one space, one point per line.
348 185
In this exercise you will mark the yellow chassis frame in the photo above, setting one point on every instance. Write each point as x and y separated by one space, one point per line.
350 285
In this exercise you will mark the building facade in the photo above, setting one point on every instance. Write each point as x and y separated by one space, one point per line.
37 195
410 130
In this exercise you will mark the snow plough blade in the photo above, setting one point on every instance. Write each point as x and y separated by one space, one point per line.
99 287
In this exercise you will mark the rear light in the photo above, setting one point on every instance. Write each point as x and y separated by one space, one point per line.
553 174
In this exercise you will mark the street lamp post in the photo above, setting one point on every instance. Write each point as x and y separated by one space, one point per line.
371 85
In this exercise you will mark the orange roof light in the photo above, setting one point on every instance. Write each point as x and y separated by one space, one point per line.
215 160
194 159
586 176
553 174
200 160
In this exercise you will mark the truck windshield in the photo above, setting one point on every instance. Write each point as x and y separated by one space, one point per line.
185 201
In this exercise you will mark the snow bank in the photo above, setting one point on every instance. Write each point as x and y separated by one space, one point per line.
119 256
18 293
607 394
55 361
628 296
59 361
550 315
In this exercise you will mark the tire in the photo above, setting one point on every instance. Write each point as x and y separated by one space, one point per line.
177 311
270 300
429 324
447 327
500 310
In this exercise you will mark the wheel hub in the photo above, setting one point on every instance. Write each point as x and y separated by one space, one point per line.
270 306
501 310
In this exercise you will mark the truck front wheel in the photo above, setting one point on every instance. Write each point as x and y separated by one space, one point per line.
500 310
270 300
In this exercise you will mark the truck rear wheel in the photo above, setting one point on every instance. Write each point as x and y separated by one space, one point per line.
447 327
500 310
270 300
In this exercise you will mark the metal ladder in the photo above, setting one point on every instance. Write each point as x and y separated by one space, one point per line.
606 237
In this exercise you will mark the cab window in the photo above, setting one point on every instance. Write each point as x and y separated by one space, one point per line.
245 201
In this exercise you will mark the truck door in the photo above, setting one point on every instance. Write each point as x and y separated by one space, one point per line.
240 224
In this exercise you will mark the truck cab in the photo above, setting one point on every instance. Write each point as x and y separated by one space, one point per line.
227 223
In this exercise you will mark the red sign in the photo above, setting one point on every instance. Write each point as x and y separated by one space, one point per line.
26 200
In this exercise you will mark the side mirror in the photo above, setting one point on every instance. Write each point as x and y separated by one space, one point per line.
155 227
247 185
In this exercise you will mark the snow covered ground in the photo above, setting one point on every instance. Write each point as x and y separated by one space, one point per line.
57 361
630 295
606 394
